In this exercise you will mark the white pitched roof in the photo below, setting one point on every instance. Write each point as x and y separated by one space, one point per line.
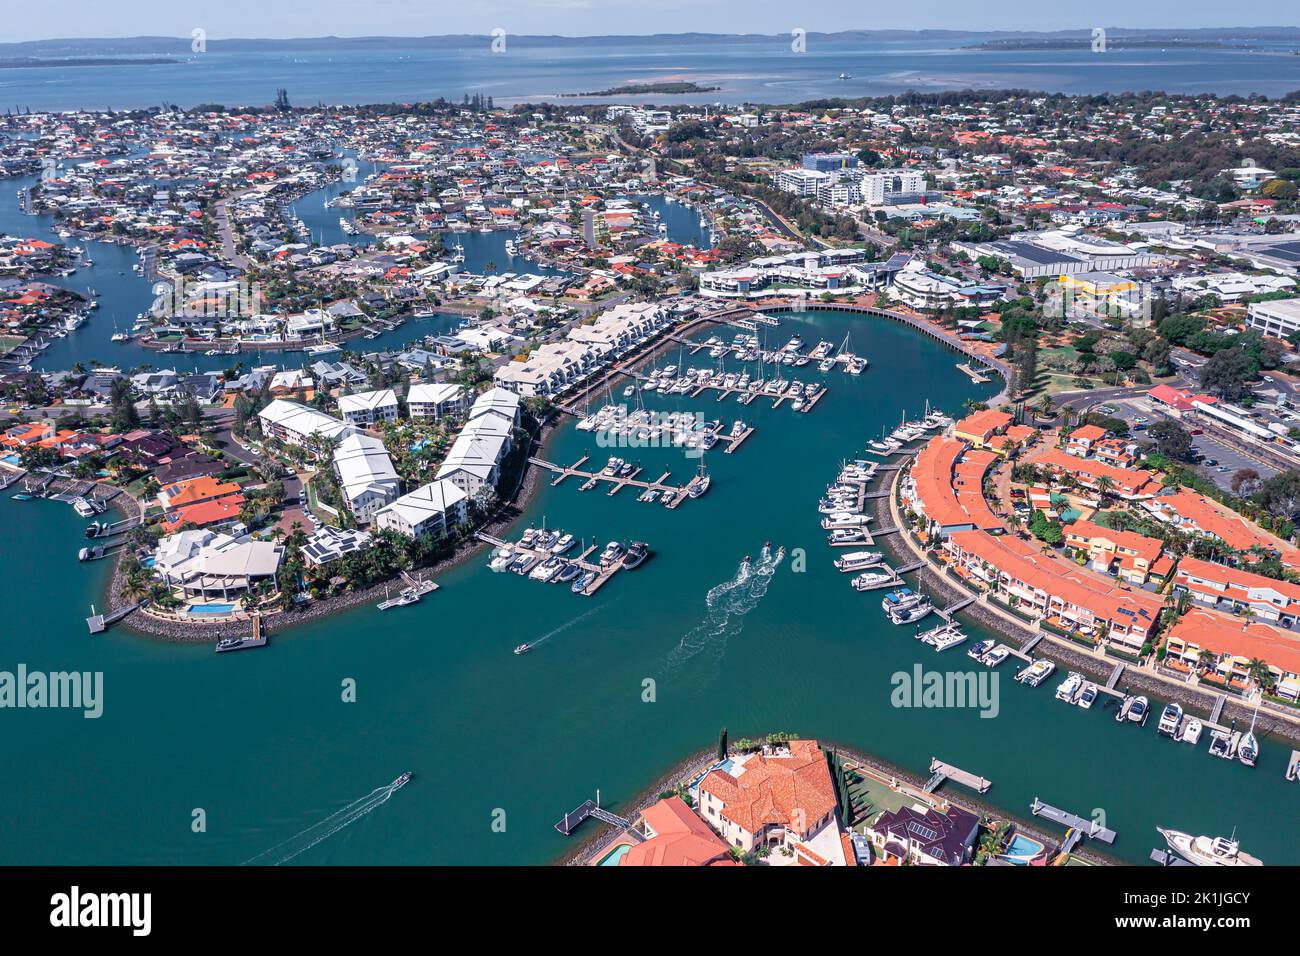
363 464
437 497
367 401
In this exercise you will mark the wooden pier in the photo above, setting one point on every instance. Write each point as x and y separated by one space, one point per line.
592 478
98 530
941 772
1217 712
1088 828
603 572
1113 681
975 376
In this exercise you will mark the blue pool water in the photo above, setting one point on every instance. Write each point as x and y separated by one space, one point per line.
212 609
1022 850
613 858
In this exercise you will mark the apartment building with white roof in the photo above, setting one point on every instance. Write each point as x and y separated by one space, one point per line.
435 400
366 409
434 508
366 475
298 424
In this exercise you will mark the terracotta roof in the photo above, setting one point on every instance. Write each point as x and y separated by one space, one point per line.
771 790
680 839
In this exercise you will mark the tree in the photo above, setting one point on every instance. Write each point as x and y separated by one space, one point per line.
1245 482
1280 495
1171 440
1228 373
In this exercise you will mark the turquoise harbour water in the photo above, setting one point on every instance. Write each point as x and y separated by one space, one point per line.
262 742
750 69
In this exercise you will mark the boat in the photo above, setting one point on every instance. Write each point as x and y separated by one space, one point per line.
996 656
120 337
323 348
1208 851
700 483
1139 710
523 648
1036 673
1248 746
502 560
1070 687
564 544
858 560
402 781
580 586
1088 695
912 613
613 551
635 554
83 507
568 572
896 600
949 636
871 580
1191 731
980 648
1223 744
239 643
846 536
1170 718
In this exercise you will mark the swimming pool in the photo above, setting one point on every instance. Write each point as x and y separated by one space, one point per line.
614 856
1022 850
201 610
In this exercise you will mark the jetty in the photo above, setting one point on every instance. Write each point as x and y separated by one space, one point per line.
411 594
1088 828
977 377
941 772
588 810
603 572
98 623
617 483
1165 858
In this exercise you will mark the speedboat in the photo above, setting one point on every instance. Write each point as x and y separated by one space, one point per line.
1170 718
1207 851
871 580
1070 687
502 560
635 554
902 598
846 536
996 656
580 586
568 571
1036 673
564 544
980 648
1087 696
523 648
1139 710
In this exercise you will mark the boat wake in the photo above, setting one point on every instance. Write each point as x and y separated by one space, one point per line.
728 603
563 627
300 843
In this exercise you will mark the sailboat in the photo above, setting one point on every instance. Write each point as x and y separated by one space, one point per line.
700 483
1248 746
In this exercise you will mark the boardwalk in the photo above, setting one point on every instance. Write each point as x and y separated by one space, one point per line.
588 810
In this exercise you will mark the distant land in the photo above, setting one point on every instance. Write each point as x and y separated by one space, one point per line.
1113 43
642 89
127 46
31 62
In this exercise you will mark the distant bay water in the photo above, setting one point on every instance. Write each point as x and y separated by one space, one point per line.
749 69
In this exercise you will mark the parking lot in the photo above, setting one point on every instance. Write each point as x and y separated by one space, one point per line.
1141 413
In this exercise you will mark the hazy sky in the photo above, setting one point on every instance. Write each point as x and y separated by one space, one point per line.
284 18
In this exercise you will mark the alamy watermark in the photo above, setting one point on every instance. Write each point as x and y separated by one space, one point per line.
946 689
73 690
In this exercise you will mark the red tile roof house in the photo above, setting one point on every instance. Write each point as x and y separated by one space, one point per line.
1082 439
675 836
781 799
1235 643
1219 586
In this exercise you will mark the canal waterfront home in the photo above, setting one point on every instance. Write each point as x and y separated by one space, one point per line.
781 798
201 565
1219 586
978 428
946 487
924 836
1233 645
673 836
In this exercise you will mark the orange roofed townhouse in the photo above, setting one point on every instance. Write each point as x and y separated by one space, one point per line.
1047 588
1129 482
1082 440
203 501
1195 514
1130 556
946 487
1234 644
674 836
1219 586
781 799
980 427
